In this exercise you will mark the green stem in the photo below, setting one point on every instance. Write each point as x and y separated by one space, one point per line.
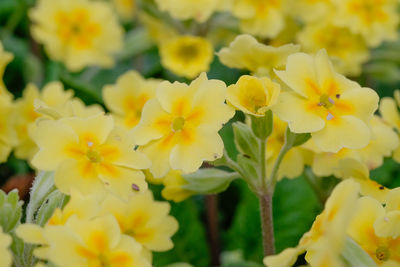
14 19
274 174
263 162
311 179
234 166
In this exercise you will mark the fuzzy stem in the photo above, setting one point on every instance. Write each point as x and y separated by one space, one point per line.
267 224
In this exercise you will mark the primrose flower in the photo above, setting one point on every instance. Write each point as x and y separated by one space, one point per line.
348 51
125 8
383 141
88 155
5 58
186 56
96 242
179 128
5 254
77 32
127 97
335 110
293 162
390 114
376 231
143 218
324 242
245 52
52 95
199 10
375 20
253 96
260 17
7 133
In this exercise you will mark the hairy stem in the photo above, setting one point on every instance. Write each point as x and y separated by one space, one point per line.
267 224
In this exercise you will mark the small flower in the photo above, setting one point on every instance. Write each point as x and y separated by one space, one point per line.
253 96
173 187
376 21
127 97
96 242
245 52
260 17
88 155
5 254
77 32
179 128
348 51
186 56
311 10
335 110
143 218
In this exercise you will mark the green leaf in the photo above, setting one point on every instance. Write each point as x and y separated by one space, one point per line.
179 264
248 166
245 141
355 256
262 126
209 181
42 187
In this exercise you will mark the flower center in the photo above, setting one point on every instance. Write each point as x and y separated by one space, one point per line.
93 156
188 52
382 253
177 124
326 101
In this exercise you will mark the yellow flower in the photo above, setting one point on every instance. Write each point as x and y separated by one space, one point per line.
7 133
127 97
384 140
253 96
311 10
383 249
77 32
200 10
96 242
125 8
324 242
375 20
388 225
335 110
52 95
186 56
246 53
348 51
264 18
173 187
5 58
5 254
293 162
390 114
179 128
88 155
143 218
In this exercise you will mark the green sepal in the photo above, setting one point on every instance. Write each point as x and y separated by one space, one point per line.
209 181
248 166
10 210
245 141
262 126
355 256
56 199
42 187
293 139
